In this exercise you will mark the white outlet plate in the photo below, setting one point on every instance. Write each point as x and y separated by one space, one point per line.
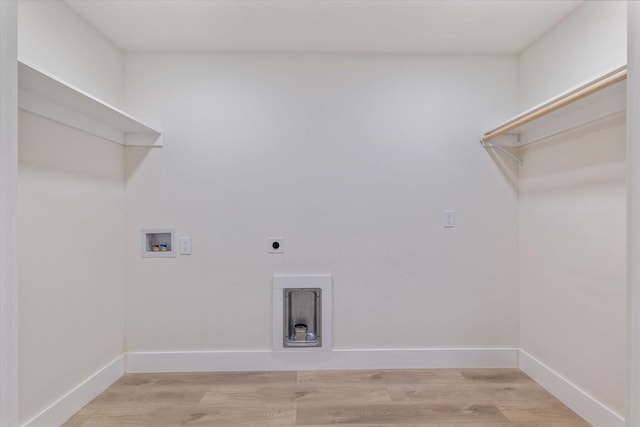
448 218
276 241
185 246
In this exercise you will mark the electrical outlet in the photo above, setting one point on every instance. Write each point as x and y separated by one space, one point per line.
276 245
448 218
185 246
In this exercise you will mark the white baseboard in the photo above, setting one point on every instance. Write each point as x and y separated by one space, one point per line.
578 400
593 411
62 409
200 361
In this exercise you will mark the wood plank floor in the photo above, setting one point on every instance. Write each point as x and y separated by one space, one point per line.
382 398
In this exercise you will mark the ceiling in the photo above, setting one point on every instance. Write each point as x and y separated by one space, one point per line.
349 26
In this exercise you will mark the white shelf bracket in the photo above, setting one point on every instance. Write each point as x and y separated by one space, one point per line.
491 144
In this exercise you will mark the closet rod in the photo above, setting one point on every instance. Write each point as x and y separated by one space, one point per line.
605 81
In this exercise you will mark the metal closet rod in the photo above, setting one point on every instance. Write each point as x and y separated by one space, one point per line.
583 91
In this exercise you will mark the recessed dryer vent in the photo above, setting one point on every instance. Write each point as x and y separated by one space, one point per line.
302 312
302 317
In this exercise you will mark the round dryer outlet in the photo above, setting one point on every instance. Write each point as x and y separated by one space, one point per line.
276 245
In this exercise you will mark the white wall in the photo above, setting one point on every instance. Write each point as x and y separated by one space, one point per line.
54 38
351 159
633 219
71 221
71 216
588 43
8 213
572 214
572 235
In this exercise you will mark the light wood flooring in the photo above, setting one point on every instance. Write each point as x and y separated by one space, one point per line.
423 397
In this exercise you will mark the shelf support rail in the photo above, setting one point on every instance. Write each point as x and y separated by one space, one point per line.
583 91
491 144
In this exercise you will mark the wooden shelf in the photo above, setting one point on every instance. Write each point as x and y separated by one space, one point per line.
45 95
